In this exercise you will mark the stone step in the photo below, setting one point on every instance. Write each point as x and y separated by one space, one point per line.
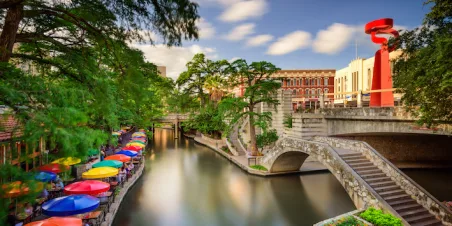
381 184
351 154
432 222
378 179
354 157
364 168
357 161
397 197
392 193
397 203
353 165
406 207
415 212
371 171
420 218
372 175
387 188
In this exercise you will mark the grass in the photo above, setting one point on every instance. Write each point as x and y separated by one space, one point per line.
259 167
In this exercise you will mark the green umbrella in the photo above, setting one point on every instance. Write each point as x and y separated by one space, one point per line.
93 151
110 163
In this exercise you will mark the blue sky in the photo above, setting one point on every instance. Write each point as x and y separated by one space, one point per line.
292 34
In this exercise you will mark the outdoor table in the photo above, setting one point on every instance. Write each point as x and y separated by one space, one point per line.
94 215
108 195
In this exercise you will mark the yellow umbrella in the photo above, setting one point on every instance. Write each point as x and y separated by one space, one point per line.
68 161
136 144
136 134
116 133
100 172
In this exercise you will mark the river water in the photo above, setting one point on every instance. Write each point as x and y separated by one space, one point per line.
188 184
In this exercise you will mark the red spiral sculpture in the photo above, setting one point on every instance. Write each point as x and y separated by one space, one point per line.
382 78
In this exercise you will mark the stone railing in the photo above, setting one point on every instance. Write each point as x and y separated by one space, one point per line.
306 125
418 193
362 195
396 113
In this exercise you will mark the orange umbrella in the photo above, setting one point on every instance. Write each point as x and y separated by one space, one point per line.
118 157
58 221
17 188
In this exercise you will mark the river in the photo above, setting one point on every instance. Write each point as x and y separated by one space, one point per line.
185 183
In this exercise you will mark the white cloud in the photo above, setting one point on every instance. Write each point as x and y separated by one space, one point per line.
206 30
240 32
259 40
174 58
242 10
290 42
334 39
234 59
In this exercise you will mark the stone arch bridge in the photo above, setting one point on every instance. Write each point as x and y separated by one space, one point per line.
368 178
175 119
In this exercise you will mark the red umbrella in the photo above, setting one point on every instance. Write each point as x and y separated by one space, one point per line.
132 148
118 157
54 168
88 187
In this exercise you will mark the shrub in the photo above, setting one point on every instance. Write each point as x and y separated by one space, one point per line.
346 221
226 149
287 121
259 167
378 218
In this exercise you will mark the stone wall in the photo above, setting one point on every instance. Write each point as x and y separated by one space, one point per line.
412 188
405 148
285 107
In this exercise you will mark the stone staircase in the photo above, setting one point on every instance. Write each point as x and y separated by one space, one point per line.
393 194
234 138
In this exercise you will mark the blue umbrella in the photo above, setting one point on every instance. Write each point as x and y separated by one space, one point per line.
128 153
45 176
70 205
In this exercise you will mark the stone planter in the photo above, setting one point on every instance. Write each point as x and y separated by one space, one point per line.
354 214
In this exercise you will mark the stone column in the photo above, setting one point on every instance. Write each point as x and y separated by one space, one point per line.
176 130
359 98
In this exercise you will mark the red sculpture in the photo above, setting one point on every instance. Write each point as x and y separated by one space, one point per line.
382 71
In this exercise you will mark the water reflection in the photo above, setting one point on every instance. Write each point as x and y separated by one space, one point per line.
187 184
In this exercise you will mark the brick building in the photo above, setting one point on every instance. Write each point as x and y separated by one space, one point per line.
308 86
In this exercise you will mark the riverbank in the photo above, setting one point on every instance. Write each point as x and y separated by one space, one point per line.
242 161
110 217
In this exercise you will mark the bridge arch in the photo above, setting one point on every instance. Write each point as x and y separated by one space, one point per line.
290 160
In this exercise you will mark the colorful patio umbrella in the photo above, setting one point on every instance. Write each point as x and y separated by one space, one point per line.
128 153
58 221
68 161
118 157
138 134
137 141
45 176
109 163
141 130
88 187
132 148
100 172
70 205
17 188
136 144
54 168
116 133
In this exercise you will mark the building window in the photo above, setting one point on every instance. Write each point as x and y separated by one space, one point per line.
307 81
369 79
306 93
313 93
294 92
325 81
325 91
313 82
319 82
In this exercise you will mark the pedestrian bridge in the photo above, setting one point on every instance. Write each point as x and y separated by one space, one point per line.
368 178
173 118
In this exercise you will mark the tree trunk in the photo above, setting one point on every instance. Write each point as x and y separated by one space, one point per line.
253 144
12 20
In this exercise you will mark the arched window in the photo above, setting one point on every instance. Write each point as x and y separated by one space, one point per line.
312 93
325 81
325 91
306 93
294 92
306 81
313 82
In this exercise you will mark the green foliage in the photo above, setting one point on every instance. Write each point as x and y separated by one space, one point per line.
423 71
259 167
346 221
378 218
207 121
266 138
287 121
261 87
226 149
179 102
